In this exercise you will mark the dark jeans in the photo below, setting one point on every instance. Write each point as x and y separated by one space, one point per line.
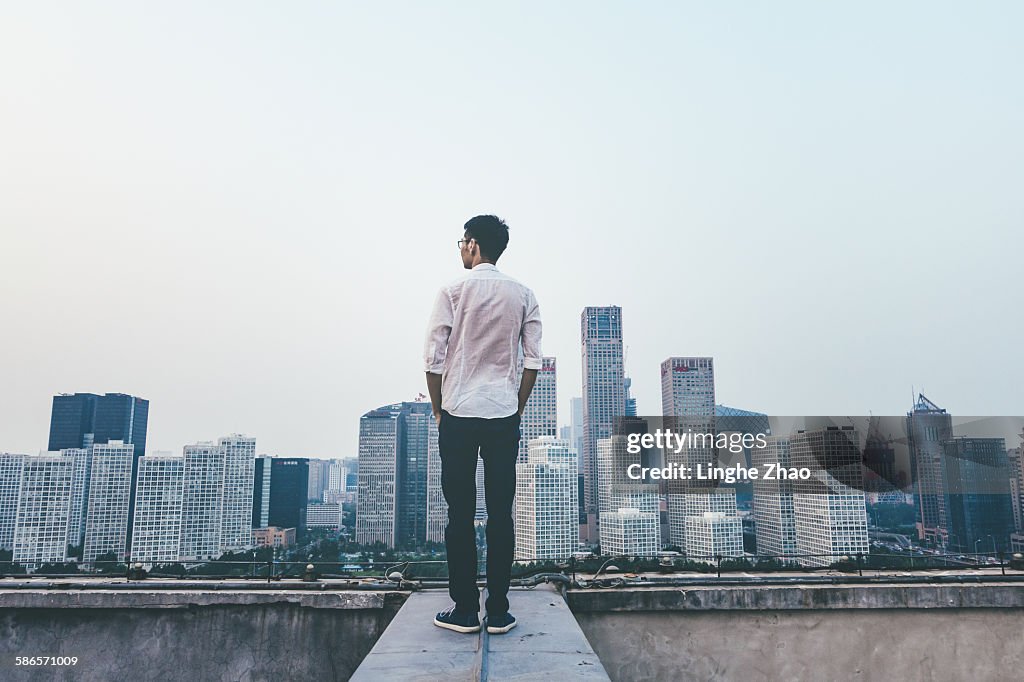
497 441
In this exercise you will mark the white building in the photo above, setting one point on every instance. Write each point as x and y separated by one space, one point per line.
44 500
323 515
830 514
629 532
437 508
714 534
688 404
625 503
721 532
10 487
546 514
540 417
106 525
156 530
378 466
80 474
202 492
236 505
774 520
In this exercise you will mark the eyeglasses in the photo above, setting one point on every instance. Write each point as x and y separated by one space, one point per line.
463 241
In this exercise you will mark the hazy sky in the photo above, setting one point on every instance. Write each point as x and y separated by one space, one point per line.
242 211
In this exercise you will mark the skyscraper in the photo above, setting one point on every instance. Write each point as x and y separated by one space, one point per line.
976 492
629 514
81 471
928 426
156 533
44 499
420 431
289 493
380 446
81 419
10 488
604 396
714 534
319 471
630 400
109 501
437 507
830 515
395 442
202 491
261 492
688 405
773 501
1017 485
547 524
236 511
540 417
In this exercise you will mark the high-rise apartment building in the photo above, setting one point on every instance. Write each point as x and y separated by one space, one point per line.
829 511
236 503
546 521
319 471
81 471
156 535
712 534
604 394
625 503
202 493
381 445
540 417
629 532
44 500
109 501
437 507
10 488
773 500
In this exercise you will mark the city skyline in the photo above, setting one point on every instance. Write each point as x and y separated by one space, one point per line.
220 208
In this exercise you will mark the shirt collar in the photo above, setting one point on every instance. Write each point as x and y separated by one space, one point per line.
483 266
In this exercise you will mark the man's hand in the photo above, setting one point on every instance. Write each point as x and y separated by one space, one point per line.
525 388
434 391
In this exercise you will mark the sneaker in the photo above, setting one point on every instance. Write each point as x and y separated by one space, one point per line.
496 625
460 621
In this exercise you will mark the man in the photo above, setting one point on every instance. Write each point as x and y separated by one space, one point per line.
477 328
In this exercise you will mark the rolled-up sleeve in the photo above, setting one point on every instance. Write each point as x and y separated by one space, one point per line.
531 333
438 330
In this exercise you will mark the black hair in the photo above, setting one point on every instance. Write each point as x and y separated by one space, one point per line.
491 233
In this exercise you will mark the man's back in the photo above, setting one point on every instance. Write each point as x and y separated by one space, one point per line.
477 326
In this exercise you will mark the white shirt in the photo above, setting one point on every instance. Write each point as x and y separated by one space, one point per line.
473 339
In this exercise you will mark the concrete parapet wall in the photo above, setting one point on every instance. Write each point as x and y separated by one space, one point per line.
191 635
890 632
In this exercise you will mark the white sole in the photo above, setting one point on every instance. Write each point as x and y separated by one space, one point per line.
457 628
499 631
